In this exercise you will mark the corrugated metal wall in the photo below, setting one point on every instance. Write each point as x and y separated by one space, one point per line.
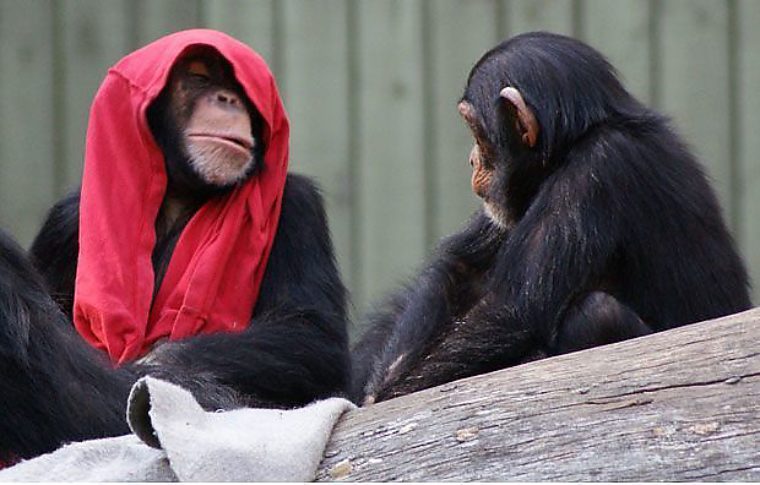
371 87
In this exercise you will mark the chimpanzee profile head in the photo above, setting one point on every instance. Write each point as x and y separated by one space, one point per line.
527 101
207 128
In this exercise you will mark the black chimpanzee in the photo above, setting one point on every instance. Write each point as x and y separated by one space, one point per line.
597 225
206 108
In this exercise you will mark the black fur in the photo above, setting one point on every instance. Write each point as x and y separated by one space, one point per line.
609 230
54 388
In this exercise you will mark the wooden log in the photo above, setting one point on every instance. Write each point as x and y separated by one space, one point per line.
678 405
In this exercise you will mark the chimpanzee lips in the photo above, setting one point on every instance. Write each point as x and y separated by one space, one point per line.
220 158
233 140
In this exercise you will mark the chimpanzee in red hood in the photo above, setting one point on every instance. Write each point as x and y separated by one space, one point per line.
189 253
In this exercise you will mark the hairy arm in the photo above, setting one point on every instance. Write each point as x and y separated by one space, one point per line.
413 317
296 347
559 250
54 388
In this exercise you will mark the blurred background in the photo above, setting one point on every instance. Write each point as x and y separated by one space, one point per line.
371 88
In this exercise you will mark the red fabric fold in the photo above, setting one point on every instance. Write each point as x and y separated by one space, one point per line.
213 278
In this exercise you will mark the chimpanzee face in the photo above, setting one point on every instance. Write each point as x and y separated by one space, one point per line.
494 158
483 160
482 153
205 124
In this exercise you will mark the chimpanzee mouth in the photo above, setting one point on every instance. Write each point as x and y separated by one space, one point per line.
232 140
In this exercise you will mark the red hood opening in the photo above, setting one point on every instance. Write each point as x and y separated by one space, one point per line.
214 276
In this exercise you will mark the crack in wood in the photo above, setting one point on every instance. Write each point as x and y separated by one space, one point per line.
614 405
721 381
712 473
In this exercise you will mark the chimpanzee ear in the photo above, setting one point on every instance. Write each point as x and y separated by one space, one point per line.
526 120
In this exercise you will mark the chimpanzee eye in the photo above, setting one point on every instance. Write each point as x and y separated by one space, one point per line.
199 72
200 77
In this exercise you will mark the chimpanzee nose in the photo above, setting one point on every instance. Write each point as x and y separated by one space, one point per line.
228 97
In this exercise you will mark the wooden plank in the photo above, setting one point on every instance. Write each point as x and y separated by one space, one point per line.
95 35
461 32
529 15
156 18
620 30
250 21
747 121
315 62
680 405
695 82
391 178
27 115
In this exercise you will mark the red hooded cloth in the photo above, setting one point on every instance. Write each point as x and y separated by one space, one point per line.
215 272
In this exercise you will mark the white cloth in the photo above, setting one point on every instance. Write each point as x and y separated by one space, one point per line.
176 440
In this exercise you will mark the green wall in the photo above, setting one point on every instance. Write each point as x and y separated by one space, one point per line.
371 88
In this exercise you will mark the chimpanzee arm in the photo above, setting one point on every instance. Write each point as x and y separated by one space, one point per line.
411 319
54 388
557 251
296 348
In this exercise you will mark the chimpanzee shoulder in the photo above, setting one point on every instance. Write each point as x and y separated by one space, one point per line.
302 269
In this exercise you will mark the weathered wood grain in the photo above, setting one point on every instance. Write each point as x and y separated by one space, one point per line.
678 405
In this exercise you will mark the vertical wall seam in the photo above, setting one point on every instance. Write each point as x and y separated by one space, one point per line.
278 44
579 25
201 13
504 22
131 13
356 269
205 14
429 144
500 20
60 151
655 74
734 73
3 80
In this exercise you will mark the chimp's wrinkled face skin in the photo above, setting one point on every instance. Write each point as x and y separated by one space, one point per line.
480 155
495 163
483 162
207 128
